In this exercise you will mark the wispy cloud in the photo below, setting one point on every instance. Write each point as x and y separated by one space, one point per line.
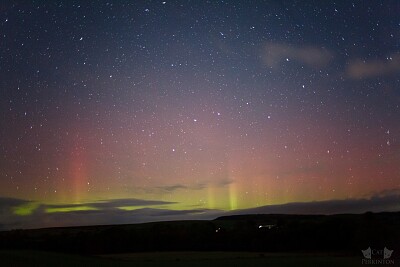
223 182
375 203
7 203
196 186
386 193
165 212
275 54
113 203
171 188
362 69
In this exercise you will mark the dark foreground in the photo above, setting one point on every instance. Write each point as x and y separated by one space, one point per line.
249 240
176 259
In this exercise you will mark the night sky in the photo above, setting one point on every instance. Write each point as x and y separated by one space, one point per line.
189 107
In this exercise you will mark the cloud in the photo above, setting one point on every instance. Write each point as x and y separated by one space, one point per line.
375 203
16 206
112 203
166 212
197 186
172 188
386 193
11 211
275 54
6 203
361 69
168 188
223 183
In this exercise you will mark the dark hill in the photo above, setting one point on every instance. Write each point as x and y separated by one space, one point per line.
347 233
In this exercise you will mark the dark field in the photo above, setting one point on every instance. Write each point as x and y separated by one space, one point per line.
176 259
248 240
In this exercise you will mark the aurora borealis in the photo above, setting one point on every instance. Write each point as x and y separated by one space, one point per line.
190 107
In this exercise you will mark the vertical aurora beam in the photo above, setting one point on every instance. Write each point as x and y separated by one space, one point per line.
211 197
78 173
232 196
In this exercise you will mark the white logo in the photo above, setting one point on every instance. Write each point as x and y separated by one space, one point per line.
387 253
377 256
367 253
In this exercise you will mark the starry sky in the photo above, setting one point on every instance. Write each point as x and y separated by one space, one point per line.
196 105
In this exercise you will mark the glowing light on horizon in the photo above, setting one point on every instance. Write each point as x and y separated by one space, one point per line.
25 209
69 209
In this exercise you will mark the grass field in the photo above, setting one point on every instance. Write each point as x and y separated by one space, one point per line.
176 259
